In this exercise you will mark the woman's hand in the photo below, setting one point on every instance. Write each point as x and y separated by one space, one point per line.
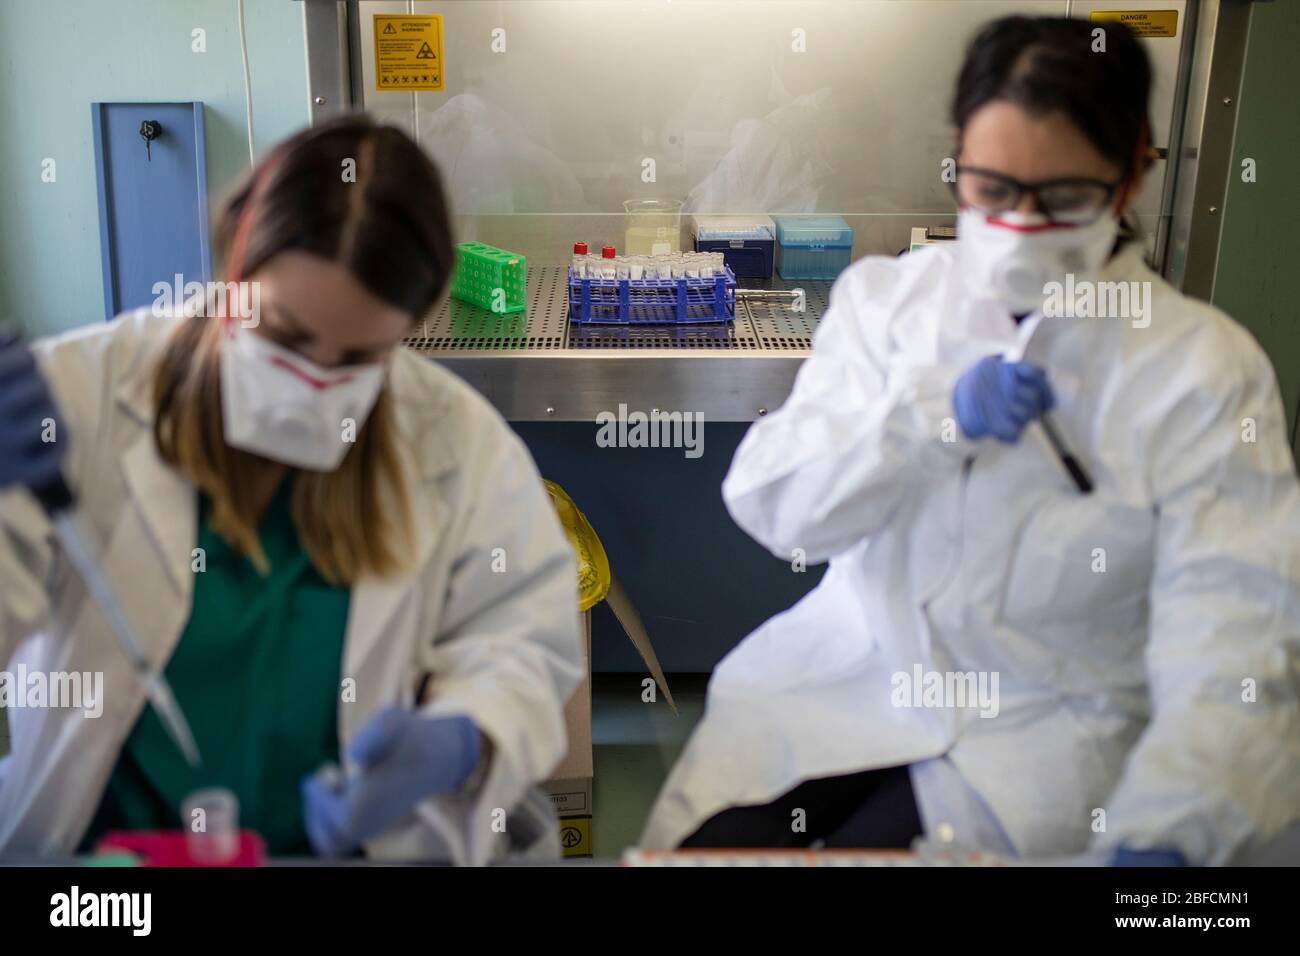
402 757
1000 398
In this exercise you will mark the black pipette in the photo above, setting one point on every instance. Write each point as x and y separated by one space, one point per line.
1081 478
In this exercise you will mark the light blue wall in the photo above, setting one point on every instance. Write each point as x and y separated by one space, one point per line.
56 58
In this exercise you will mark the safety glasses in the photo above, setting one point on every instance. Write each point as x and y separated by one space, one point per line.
1073 201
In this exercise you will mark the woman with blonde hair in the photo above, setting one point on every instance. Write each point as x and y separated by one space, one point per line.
335 551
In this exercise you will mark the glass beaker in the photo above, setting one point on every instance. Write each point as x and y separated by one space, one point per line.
654 227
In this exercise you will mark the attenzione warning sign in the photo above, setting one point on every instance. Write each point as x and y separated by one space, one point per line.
408 52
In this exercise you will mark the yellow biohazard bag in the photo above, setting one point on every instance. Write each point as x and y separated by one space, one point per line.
596 582
593 565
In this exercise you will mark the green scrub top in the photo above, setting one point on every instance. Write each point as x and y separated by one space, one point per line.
257 674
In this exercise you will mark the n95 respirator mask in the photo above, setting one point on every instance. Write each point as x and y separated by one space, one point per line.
1011 257
279 405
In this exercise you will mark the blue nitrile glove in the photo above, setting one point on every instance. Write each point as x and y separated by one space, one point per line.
999 398
1126 857
25 403
402 757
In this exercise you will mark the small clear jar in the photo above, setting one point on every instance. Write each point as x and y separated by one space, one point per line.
211 821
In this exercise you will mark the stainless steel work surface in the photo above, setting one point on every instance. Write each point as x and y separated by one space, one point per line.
537 366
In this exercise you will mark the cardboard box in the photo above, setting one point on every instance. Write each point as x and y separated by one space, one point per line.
570 784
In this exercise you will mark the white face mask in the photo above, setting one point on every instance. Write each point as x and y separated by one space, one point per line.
1010 257
277 404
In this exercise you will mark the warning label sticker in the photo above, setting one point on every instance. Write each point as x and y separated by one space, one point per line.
408 52
1144 23
575 836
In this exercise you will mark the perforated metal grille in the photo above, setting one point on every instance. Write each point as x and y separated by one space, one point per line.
778 326
544 326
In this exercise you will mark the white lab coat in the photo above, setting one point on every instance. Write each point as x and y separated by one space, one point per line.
503 647
1125 626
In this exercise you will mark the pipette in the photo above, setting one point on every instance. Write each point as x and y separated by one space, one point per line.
56 499
1082 480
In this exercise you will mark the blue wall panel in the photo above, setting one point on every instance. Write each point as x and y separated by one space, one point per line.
153 221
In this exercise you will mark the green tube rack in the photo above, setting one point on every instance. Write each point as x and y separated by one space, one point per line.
482 269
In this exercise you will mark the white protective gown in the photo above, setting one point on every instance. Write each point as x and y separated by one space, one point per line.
503 648
1145 637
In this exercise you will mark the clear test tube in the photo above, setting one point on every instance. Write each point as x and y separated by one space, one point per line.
211 820
678 266
636 268
622 268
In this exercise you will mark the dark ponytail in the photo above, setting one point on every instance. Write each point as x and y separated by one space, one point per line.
1044 64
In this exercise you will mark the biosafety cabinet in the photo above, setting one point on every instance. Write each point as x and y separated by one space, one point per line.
551 118
546 117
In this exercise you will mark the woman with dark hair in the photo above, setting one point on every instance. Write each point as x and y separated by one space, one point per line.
337 551
1015 648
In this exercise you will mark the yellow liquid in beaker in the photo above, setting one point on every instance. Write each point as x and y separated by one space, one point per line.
642 240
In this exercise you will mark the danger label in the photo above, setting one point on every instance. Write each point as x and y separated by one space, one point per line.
1144 23
408 52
